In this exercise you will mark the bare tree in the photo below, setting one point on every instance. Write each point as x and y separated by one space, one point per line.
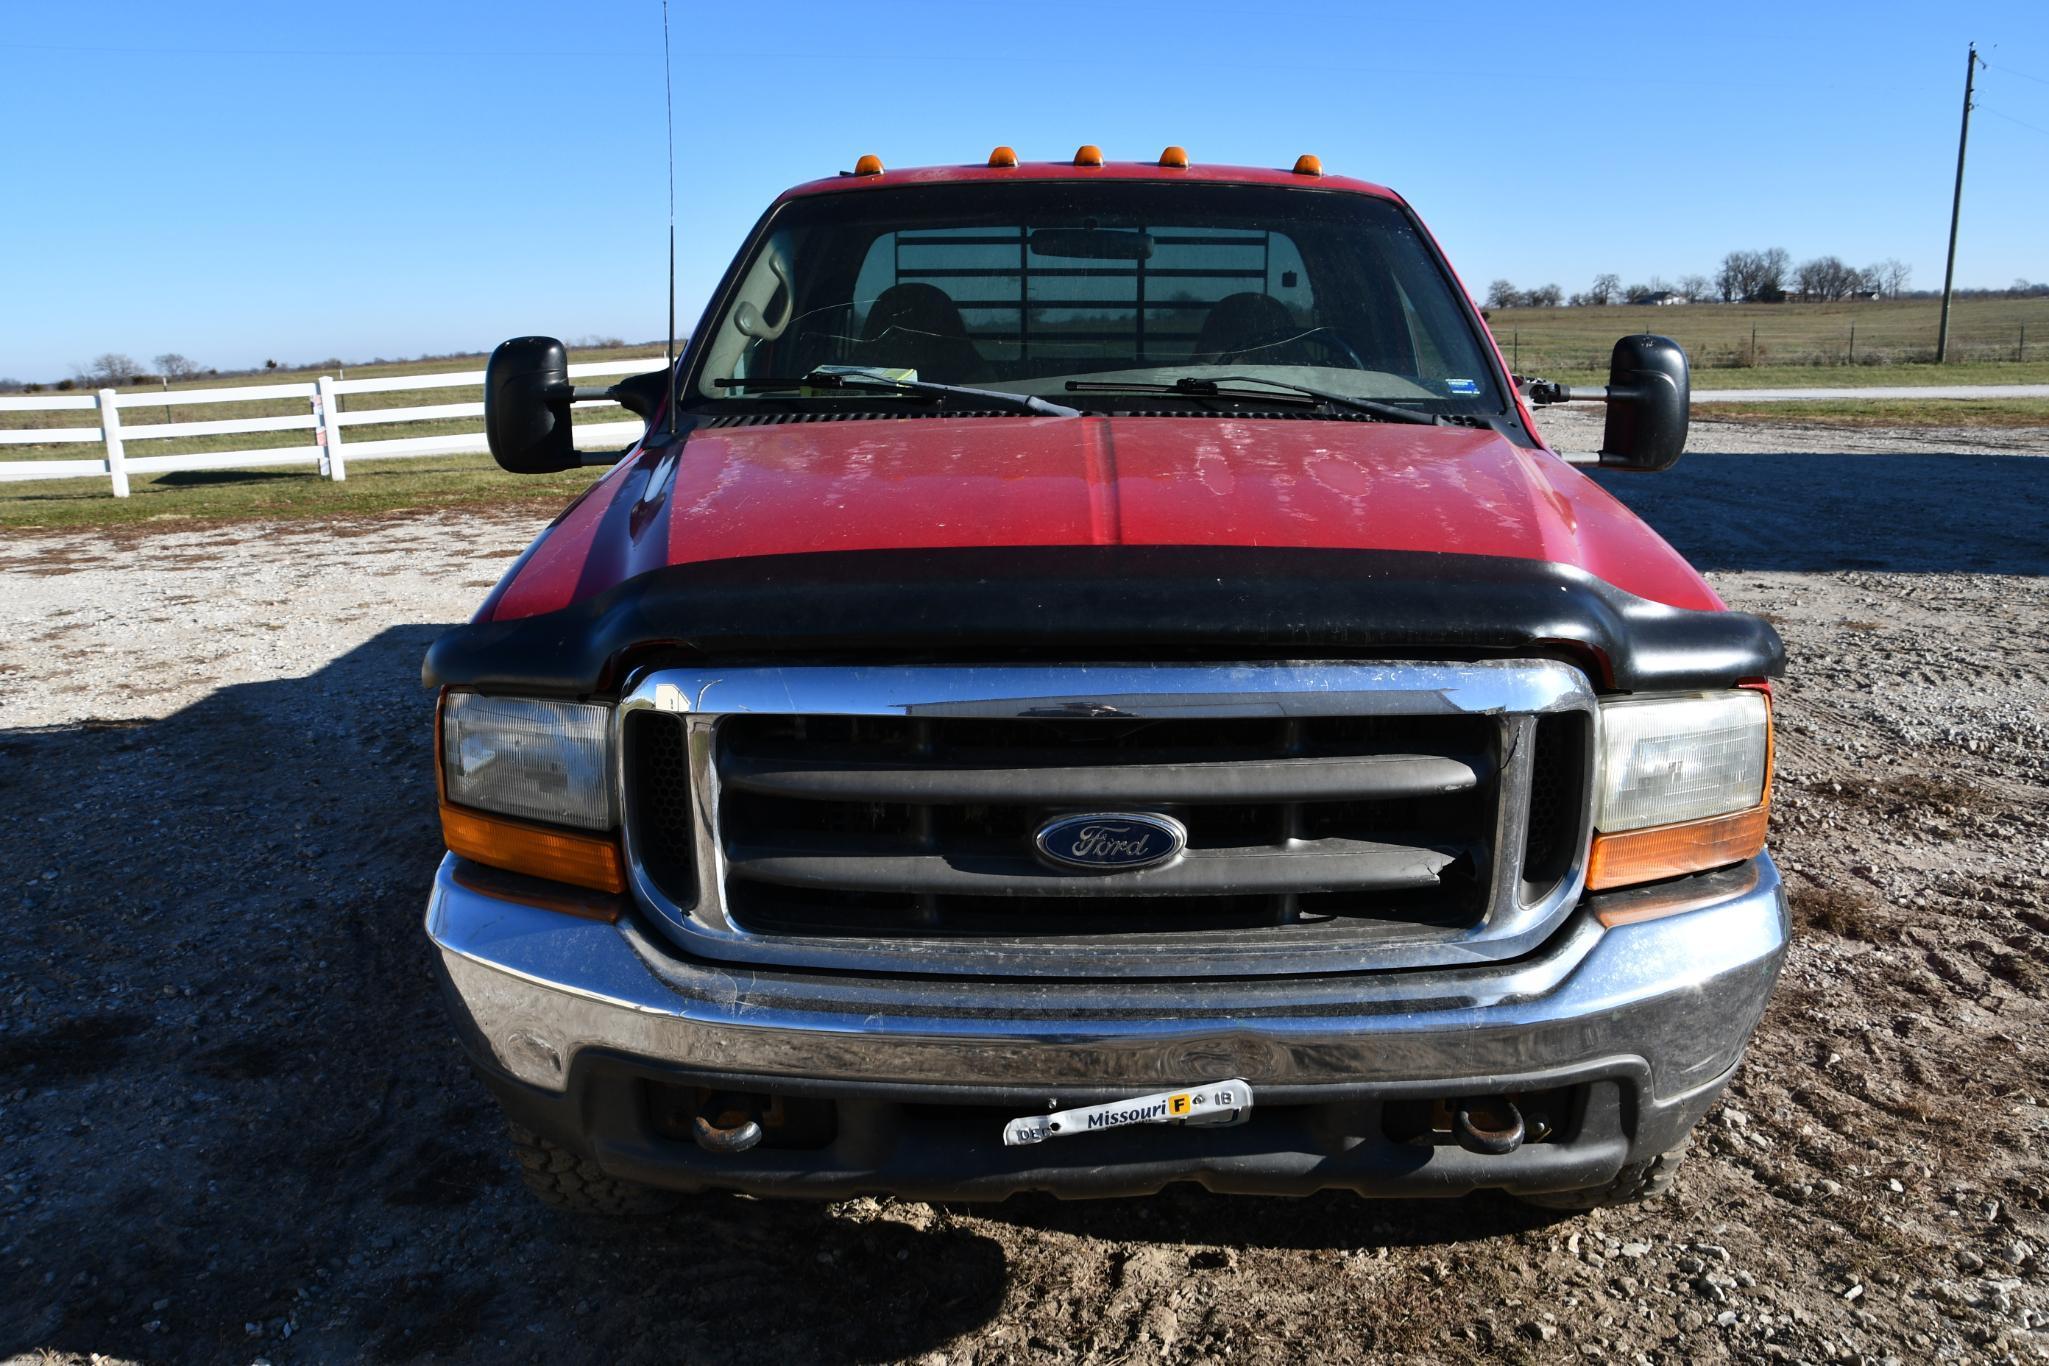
1773 265
1729 280
108 370
1503 294
1754 276
1890 276
1694 287
1827 279
1604 289
1810 277
1543 296
171 365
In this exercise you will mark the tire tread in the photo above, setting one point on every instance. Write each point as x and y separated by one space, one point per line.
1635 1182
562 1180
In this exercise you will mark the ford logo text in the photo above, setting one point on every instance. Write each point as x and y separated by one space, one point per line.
1111 842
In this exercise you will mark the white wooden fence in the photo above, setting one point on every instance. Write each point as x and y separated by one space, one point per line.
324 418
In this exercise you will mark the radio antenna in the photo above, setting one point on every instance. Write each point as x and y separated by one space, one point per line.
669 121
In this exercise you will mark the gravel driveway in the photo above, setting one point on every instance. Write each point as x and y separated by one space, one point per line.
233 1123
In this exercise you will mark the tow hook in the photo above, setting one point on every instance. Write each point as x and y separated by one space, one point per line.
726 1124
1488 1124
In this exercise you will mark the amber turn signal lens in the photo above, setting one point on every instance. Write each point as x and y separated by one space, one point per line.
868 165
1177 157
581 860
1003 156
1634 856
1088 155
1308 165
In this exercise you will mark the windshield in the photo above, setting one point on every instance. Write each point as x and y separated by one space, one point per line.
1031 286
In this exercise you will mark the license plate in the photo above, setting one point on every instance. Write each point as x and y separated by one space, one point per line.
1216 1102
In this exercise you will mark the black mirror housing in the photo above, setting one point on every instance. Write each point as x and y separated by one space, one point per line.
1649 400
526 406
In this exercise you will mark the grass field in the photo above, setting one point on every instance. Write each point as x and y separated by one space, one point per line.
198 497
1891 336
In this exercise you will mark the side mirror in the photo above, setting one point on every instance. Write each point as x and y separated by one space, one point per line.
526 406
1649 397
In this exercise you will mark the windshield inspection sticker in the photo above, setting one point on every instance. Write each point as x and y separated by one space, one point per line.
1217 1102
1462 386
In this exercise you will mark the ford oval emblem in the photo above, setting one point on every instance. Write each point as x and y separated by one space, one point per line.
1111 841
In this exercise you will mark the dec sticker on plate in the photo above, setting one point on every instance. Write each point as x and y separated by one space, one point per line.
1217 1102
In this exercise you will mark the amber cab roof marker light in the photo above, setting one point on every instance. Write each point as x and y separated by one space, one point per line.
1003 156
1088 154
1176 157
870 164
1308 165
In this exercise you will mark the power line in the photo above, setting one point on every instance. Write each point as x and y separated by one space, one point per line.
2012 71
2011 119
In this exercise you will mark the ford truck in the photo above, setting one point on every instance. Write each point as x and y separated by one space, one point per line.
1092 678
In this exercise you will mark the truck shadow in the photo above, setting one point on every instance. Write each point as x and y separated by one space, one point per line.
235 1107
1188 1216
1918 513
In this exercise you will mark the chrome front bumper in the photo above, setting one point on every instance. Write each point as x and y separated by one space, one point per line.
1672 1000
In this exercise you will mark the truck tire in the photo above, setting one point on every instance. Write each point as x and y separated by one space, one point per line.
1637 1181
562 1180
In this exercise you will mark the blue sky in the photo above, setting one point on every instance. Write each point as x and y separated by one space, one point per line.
242 181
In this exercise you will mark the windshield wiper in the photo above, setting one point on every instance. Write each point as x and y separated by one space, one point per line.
1195 387
840 379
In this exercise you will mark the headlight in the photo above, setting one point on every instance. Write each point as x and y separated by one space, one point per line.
1682 786
525 760
1681 758
545 761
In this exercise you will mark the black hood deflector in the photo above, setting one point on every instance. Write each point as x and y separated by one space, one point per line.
1053 603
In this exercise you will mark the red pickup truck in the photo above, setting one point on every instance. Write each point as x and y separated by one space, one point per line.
1091 679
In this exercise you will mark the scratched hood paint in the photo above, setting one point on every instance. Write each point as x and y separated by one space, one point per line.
930 482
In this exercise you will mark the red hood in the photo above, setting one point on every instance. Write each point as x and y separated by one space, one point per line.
933 482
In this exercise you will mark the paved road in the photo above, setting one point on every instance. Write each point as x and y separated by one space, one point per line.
1874 391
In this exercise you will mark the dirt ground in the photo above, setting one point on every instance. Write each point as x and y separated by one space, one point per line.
234 1124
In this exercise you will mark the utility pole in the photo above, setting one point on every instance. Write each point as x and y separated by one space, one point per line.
1956 208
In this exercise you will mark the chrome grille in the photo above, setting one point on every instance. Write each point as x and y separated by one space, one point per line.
1388 818
1339 816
